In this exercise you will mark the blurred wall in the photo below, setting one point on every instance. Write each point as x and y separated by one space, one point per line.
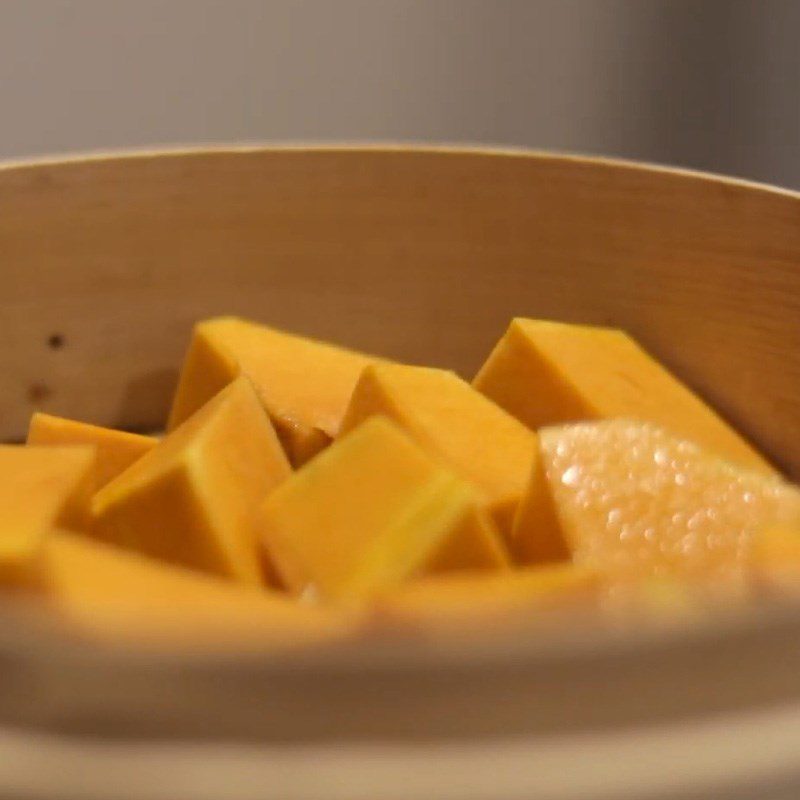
709 84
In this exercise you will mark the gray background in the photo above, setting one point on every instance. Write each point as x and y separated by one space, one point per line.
699 83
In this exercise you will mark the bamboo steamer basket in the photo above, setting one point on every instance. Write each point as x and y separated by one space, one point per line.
421 254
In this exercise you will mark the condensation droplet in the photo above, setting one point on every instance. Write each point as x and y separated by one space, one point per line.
571 476
696 520
661 457
665 546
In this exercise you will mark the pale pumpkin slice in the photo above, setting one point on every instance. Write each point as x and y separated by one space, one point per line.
39 487
116 450
546 373
370 512
477 439
635 502
191 499
304 384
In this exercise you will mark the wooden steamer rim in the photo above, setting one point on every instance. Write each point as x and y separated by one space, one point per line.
422 254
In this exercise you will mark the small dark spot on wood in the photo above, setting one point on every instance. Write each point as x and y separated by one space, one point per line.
42 179
39 392
56 341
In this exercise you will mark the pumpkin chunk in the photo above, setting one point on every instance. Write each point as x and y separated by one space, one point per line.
635 502
116 450
304 384
546 373
456 600
108 593
39 487
449 419
191 499
370 512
